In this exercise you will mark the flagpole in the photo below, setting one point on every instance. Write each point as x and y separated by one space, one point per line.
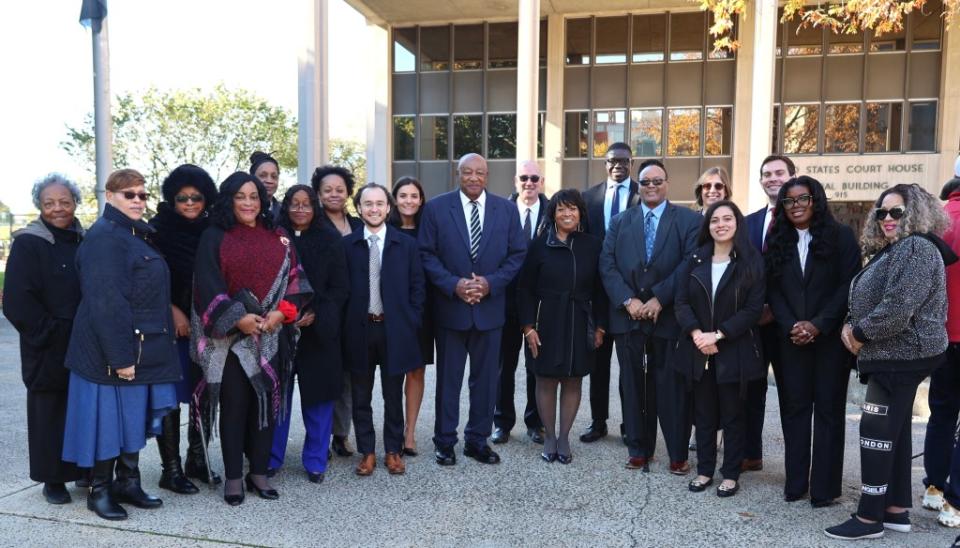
103 122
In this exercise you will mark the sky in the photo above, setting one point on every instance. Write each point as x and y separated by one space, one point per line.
173 44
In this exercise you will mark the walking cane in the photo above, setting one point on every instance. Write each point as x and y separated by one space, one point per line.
203 443
646 465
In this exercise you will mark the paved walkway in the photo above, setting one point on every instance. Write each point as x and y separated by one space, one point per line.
592 502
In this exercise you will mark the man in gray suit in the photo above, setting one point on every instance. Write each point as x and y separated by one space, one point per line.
642 250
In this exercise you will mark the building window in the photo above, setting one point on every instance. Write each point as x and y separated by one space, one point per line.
468 47
503 45
433 138
502 136
687 36
927 28
841 131
434 48
403 138
889 41
718 133
922 132
467 134
775 147
884 121
683 137
845 43
578 42
609 126
649 38
646 131
611 40
576 134
801 124
405 49
803 41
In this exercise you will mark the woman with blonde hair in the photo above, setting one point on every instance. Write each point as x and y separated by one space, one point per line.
713 186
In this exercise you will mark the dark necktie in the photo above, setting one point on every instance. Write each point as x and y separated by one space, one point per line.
766 235
527 227
649 233
475 231
615 205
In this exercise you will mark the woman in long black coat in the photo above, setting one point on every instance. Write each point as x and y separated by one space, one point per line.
41 294
720 294
562 309
318 363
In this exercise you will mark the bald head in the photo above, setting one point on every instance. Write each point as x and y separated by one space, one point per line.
528 181
472 170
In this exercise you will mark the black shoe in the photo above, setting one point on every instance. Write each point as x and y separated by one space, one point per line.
168 443
793 497
197 470
177 482
825 503
897 522
235 500
340 447
564 459
102 503
697 486
482 454
56 493
548 457
500 436
535 435
854 529
597 430
269 494
445 456
129 491
315 477
410 452
723 492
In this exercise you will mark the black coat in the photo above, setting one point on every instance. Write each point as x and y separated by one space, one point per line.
124 317
561 295
427 332
41 294
177 239
594 197
734 311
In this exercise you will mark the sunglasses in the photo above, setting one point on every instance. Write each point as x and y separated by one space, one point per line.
531 178
131 195
716 186
803 201
184 198
655 182
896 213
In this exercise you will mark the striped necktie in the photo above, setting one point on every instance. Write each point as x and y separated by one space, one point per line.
376 303
475 231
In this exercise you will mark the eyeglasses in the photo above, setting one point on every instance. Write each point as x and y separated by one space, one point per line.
896 213
716 186
618 161
531 178
184 198
131 195
803 201
301 207
655 182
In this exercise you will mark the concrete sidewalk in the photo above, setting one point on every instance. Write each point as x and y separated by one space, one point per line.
523 501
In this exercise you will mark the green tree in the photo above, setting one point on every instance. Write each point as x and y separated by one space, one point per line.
351 155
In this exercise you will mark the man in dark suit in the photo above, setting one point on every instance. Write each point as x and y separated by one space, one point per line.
774 171
380 321
531 205
604 201
642 251
472 246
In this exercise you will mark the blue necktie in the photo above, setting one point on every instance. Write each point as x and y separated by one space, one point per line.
615 204
649 233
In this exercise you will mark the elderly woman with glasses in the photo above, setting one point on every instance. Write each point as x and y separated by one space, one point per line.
712 187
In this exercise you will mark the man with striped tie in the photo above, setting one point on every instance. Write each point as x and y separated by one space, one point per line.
472 246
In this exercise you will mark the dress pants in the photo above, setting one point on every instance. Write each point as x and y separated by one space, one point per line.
718 406
46 418
343 410
755 404
240 431
318 422
505 414
600 382
885 443
392 388
814 381
652 388
941 453
453 347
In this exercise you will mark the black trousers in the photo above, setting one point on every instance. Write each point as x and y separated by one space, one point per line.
652 388
600 382
392 388
718 407
941 453
755 404
505 414
814 382
46 418
885 443
240 432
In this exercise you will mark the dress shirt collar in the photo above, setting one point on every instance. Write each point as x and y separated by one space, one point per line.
381 234
611 183
481 200
657 211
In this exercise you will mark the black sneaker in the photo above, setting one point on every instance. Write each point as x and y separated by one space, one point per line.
854 529
897 522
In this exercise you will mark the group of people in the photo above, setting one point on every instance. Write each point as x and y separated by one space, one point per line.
228 294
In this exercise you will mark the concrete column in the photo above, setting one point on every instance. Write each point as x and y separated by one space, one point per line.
553 128
949 141
379 61
753 106
313 133
528 78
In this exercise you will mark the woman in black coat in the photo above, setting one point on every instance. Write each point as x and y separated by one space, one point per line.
810 261
41 294
720 294
318 363
561 306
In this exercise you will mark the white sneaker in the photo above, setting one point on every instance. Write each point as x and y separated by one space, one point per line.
933 498
949 516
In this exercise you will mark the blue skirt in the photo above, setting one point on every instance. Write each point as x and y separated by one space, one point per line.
104 420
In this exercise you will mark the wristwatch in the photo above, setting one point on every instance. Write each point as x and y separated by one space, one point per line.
720 336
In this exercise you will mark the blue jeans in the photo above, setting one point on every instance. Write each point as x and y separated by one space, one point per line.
941 453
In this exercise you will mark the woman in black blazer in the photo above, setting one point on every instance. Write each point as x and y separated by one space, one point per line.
720 294
810 261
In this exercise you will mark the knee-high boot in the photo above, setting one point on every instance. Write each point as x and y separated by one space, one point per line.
126 488
100 500
168 442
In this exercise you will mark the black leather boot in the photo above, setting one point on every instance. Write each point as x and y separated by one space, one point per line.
195 466
100 500
168 442
126 488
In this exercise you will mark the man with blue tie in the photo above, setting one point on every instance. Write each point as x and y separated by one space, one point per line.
642 251
472 246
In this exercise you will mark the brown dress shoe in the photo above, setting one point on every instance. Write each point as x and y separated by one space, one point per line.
395 464
636 463
751 465
679 468
365 468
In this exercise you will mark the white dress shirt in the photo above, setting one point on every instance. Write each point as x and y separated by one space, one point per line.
468 209
381 236
803 247
608 198
767 219
522 208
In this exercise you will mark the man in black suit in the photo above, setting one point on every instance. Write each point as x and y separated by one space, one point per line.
604 201
774 171
531 205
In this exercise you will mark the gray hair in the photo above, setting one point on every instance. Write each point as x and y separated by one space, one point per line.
922 214
50 180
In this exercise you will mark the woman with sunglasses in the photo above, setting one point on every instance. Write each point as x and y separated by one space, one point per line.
180 220
810 261
896 328
711 187
122 355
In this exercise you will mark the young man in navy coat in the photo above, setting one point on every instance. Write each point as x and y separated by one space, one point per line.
472 247
382 319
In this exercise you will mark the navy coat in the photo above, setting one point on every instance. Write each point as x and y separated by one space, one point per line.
402 290
755 227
